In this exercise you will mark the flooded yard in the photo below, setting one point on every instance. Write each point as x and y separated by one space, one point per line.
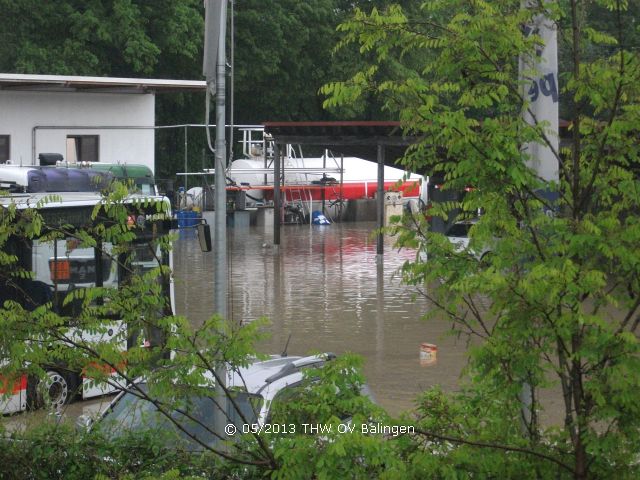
326 290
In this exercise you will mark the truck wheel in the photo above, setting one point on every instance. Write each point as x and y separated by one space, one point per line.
55 391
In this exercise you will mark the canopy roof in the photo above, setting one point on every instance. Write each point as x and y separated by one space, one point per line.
350 138
354 138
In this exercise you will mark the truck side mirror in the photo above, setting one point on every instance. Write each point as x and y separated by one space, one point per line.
204 237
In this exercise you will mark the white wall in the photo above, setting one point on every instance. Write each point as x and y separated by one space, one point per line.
20 111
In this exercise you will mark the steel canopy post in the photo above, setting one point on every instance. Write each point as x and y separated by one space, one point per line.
322 192
380 202
276 195
186 156
341 204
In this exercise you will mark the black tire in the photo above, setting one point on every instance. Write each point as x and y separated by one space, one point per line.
32 396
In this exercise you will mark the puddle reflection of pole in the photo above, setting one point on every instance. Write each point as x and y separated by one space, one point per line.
380 204
280 330
379 313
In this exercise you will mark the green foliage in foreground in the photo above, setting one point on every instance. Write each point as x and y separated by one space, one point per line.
554 306
57 451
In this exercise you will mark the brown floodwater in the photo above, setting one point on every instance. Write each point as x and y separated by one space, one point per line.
325 288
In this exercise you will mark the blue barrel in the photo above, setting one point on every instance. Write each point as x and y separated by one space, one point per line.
192 219
182 218
187 218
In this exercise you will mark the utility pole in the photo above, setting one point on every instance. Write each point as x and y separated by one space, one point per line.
215 47
221 167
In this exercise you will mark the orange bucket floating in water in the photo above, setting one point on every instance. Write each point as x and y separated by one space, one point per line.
428 354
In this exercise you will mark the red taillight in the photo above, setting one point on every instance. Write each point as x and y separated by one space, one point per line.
60 270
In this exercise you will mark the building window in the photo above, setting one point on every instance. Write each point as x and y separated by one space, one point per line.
83 148
5 147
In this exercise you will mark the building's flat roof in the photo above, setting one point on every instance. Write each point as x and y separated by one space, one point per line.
64 83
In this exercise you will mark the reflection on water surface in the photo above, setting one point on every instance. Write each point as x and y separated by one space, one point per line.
326 289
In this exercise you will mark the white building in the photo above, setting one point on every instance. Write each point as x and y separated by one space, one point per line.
101 119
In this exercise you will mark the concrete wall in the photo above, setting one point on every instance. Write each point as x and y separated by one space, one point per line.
21 111
364 210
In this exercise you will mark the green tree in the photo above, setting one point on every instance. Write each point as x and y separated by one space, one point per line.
282 58
117 38
555 305
98 37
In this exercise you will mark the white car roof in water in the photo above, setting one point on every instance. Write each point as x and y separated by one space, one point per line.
278 371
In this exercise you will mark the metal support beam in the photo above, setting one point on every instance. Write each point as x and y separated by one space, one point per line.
322 192
186 156
380 200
